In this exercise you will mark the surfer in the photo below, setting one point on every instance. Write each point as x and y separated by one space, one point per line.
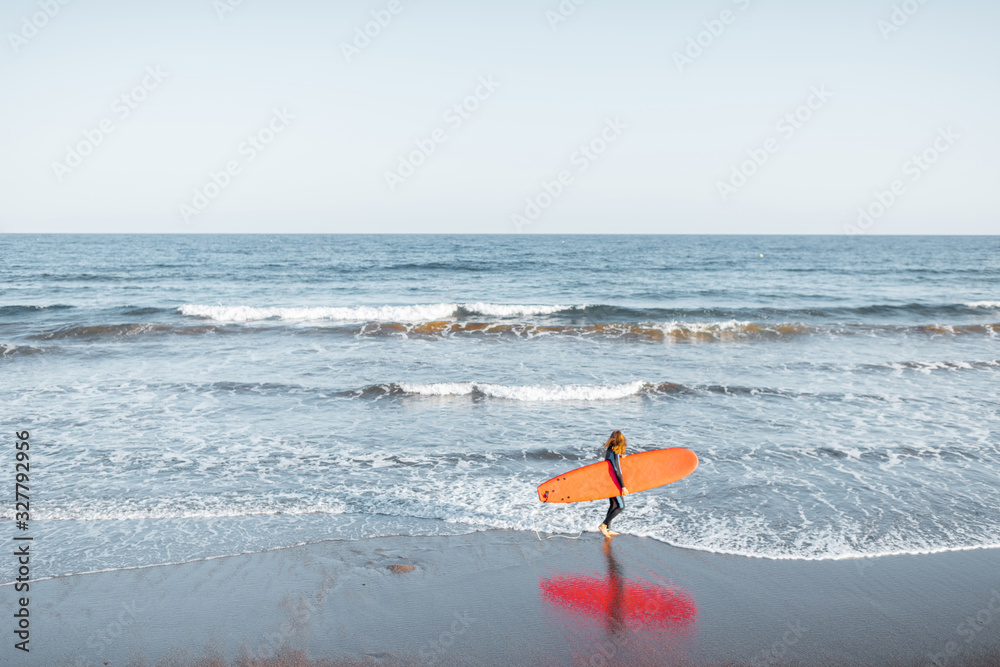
614 448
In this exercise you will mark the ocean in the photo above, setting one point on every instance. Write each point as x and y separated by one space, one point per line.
192 396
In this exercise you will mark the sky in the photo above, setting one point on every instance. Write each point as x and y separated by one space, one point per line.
441 116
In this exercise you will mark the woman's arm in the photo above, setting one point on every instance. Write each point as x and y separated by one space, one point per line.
616 466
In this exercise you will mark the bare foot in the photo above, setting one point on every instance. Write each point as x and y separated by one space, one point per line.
607 533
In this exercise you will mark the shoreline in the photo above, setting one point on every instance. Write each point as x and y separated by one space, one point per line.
540 535
505 597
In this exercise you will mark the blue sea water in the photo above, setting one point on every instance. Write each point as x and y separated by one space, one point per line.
192 396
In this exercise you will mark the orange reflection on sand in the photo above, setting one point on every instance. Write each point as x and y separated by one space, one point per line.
643 622
635 601
621 601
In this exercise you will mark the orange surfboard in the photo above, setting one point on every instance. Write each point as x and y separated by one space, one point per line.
645 470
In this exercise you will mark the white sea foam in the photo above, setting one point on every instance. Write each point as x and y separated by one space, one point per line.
410 313
417 313
513 310
982 304
710 328
527 393
927 367
728 325
11 350
170 510
740 549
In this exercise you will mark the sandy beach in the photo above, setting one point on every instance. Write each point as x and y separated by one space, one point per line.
502 597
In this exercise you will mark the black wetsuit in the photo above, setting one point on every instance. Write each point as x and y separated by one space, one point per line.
617 502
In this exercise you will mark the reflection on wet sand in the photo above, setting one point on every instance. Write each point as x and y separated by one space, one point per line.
621 601
640 618
615 619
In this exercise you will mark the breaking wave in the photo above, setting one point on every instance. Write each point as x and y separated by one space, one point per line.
655 332
547 393
8 350
25 309
103 331
594 312
412 313
652 331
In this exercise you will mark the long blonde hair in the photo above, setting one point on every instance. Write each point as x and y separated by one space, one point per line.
617 443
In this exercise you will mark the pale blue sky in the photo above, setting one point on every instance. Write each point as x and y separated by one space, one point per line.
677 134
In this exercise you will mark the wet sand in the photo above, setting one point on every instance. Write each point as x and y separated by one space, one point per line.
503 598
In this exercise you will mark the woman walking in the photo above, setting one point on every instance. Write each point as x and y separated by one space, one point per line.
614 450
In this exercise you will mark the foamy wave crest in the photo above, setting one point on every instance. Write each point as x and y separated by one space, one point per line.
9 350
930 366
413 313
528 393
729 329
654 332
663 332
513 310
347 314
982 304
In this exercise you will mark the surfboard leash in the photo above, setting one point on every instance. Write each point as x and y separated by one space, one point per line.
568 537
